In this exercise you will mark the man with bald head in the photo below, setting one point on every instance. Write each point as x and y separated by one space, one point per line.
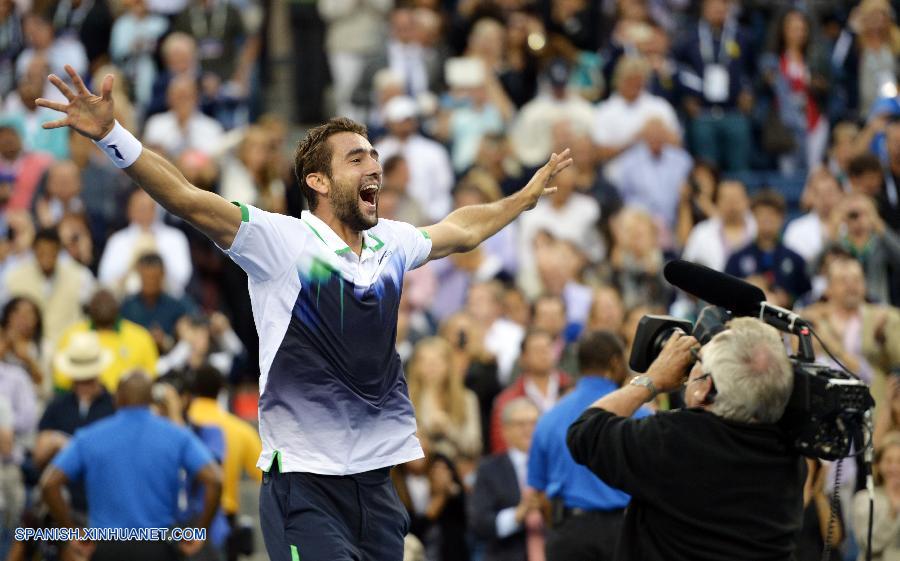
133 450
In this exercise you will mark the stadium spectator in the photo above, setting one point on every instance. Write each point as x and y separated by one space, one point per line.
21 167
145 233
501 499
889 419
779 269
59 285
717 64
133 43
548 313
807 234
447 412
19 109
41 41
394 203
152 307
21 332
697 201
842 150
62 195
540 381
531 135
137 450
888 200
355 33
864 337
857 227
502 337
202 341
886 516
131 345
12 42
712 241
607 311
249 177
430 171
178 52
183 126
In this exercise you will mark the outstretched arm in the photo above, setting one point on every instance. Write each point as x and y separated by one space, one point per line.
464 228
92 116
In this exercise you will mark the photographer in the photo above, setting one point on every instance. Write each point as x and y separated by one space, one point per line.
714 481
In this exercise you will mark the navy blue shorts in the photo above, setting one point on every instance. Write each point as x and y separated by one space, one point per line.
310 517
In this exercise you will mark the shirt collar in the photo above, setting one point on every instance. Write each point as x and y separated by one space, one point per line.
334 242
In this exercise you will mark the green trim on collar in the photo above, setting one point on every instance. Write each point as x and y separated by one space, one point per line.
377 239
245 212
342 250
315 232
425 234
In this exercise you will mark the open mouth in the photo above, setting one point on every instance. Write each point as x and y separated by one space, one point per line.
369 194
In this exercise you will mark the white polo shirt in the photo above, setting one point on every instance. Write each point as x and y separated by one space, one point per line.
333 397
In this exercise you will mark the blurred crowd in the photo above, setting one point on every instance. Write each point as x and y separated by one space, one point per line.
757 137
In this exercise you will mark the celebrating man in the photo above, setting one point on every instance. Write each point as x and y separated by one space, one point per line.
334 412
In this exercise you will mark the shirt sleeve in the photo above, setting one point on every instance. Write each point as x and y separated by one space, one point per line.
71 459
261 247
506 522
415 244
194 454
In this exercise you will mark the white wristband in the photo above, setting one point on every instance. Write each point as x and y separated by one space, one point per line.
120 146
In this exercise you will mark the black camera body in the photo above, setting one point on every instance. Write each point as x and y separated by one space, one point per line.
825 413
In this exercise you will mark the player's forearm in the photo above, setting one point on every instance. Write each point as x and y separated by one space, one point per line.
479 222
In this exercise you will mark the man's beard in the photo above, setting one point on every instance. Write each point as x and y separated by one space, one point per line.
345 205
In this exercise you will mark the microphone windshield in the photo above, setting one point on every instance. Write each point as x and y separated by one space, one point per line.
719 289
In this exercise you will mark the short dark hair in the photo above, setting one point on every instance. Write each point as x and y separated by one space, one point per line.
863 163
598 349
313 153
531 334
151 259
769 198
47 235
206 382
392 163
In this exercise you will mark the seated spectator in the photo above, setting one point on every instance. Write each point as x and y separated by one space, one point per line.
781 270
697 201
62 195
394 203
21 332
12 44
496 159
819 522
447 412
40 40
650 175
531 132
886 515
888 200
137 450
607 311
548 313
20 110
502 337
565 215
430 172
17 386
179 58
864 337
249 176
133 44
501 500
22 167
712 241
842 150
202 341
807 234
183 126
632 115
889 419
857 227
146 233
636 260
59 285
131 345
540 381
75 235
152 307
432 492
716 59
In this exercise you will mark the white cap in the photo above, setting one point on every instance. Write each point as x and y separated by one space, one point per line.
400 108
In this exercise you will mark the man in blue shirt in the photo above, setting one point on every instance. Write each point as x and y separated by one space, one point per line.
780 270
587 512
131 464
153 307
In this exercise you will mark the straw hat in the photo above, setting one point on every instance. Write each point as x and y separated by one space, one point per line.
84 358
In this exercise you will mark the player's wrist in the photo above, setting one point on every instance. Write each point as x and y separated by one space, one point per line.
120 146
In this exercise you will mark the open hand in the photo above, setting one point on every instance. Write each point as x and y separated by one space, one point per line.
537 187
89 114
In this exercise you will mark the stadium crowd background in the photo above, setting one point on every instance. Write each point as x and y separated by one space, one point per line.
758 137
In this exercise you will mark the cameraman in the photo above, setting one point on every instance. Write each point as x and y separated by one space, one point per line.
714 481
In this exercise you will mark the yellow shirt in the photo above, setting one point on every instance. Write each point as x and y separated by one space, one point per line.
242 447
132 347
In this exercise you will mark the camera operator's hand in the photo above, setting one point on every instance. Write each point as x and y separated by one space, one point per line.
673 363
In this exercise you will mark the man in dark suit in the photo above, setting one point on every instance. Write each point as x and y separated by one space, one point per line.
501 501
